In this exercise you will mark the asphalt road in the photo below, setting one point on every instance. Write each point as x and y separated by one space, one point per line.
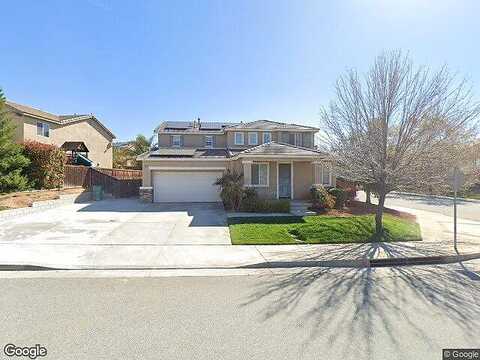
467 209
403 313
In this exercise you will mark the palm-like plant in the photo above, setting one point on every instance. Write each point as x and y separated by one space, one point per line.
232 189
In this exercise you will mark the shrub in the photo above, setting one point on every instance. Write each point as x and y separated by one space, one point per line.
252 203
231 189
274 206
340 197
249 200
12 161
46 169
321 199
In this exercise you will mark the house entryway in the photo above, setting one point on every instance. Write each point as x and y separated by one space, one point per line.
285 181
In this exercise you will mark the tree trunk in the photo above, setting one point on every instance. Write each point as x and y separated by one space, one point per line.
368 201
379 214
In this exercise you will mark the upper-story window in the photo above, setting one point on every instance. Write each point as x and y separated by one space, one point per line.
177 140
252 138
298 139
267 137
239 140
209 141
43 129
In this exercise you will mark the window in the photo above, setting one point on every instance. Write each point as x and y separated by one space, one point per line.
267 137
239 138
298 139
177 140
325 175
259 174
43 129
209 141
253 138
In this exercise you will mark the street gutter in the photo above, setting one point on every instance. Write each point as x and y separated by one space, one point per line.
353 263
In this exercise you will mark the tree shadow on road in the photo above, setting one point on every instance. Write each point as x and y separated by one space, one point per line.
352 303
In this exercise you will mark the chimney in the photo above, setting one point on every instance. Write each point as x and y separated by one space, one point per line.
199 123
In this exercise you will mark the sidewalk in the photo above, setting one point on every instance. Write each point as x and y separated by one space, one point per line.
437 242
437 233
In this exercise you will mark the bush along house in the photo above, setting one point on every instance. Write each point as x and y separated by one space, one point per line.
277 159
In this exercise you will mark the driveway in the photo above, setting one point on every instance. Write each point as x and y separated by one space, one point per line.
122 222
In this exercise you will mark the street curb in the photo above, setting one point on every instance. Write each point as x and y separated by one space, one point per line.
369 263
354 263
435 196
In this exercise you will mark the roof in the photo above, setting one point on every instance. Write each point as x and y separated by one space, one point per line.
74 146
192 126
280 149
270 125
57 119
186 153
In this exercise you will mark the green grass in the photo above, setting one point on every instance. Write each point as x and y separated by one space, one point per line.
473 196
4 208
319 230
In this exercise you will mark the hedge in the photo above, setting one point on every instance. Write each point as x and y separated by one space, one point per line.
47 164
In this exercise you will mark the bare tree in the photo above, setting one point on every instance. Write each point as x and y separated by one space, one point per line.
398 127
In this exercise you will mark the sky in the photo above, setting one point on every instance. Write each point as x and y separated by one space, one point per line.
135 64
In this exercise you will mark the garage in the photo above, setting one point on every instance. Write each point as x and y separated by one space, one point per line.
186 186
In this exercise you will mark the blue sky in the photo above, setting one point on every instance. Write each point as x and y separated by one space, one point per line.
136 63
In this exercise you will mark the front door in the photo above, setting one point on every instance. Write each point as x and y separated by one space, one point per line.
285 180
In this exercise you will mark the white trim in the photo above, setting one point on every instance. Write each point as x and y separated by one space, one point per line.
235 138
291 182
324 167
43 126
173 142
268 175
171 168
256 138
278 196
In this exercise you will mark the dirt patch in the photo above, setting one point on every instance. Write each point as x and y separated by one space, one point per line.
360 208
27 198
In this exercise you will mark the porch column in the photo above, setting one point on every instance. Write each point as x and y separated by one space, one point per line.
247 172
317 172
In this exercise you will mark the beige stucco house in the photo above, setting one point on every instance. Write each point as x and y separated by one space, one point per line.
69 131
279 160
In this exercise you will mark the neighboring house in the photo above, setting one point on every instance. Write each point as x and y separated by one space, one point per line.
76 134
277 159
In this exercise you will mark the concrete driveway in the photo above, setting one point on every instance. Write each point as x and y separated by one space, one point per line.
122 222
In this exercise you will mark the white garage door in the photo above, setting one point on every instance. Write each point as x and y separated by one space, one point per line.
185 186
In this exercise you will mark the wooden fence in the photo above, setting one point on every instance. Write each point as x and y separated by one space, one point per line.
118 182
76 176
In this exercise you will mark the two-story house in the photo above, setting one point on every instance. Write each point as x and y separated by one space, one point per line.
82 134
279 160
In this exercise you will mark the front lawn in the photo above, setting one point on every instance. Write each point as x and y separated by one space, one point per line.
320 230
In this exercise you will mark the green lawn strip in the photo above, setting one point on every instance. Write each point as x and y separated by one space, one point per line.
320 230
4 208
263 230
